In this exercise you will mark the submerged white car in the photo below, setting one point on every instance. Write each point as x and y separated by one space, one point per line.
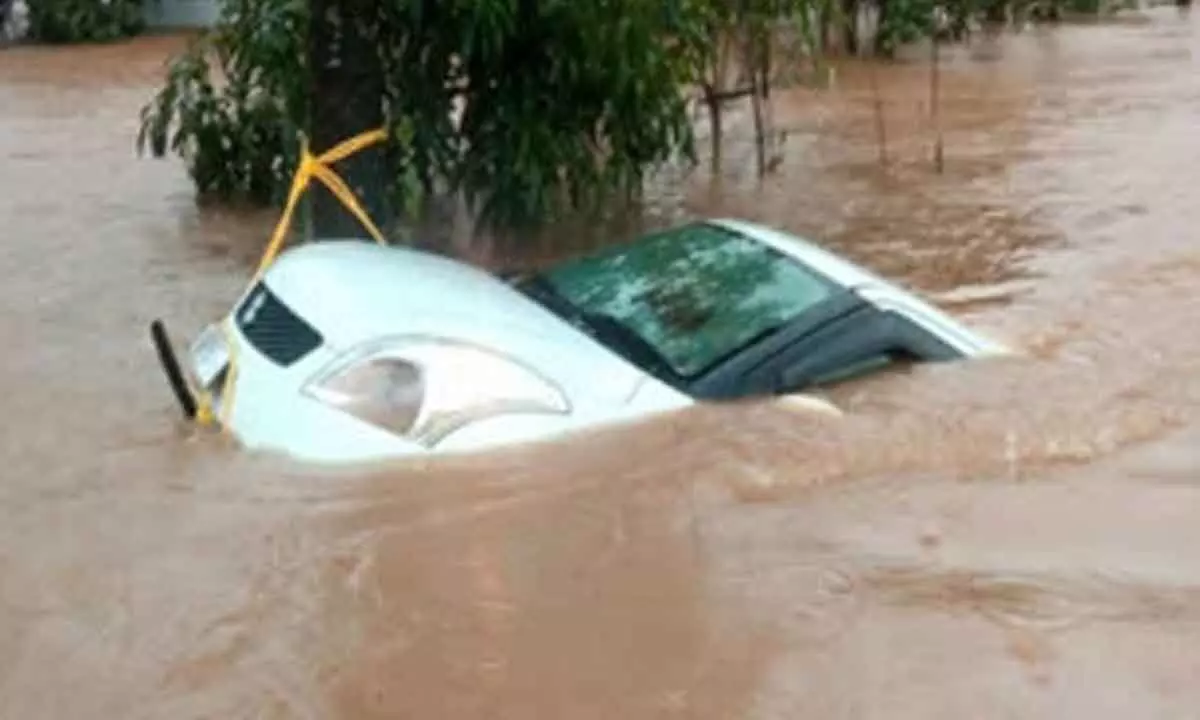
349 351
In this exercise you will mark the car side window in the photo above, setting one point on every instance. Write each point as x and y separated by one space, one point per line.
866 342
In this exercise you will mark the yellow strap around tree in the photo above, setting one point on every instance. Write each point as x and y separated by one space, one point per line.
319 167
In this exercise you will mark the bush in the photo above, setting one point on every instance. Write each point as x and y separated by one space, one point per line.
235 101
80 21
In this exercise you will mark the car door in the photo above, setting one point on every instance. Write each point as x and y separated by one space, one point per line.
865 341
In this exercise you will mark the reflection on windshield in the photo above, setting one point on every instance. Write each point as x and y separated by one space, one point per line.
694 294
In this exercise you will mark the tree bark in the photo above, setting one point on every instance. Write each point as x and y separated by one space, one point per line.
824 28
712 100
935 104
881 20
347 91
759 66
850 27
880 122
996 13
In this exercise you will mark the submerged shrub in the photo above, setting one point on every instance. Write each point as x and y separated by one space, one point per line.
79 21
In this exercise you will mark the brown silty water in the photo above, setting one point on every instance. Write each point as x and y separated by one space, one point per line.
1008 539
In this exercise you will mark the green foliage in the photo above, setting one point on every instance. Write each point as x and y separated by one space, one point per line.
234 103
1083 7
565 101
905 21
80 21
902 22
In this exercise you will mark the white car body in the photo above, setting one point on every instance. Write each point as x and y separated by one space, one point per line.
409 304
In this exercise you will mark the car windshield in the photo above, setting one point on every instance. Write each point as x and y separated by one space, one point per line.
694 294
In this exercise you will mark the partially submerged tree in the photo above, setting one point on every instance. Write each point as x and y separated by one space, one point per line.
525 107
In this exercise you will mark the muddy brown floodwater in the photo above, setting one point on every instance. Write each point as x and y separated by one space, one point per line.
1010 539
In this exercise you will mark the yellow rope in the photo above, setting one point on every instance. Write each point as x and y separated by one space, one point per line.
229 387
311 167
319 167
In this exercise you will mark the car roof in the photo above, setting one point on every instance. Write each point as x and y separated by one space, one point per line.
813 256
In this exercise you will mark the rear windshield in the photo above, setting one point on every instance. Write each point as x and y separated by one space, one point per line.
696 294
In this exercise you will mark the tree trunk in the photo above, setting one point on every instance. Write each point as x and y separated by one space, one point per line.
880 122
347 90
768 70
996 13
824 26
882 46
935 103
850 27
712 99
715 96
755 62
760 132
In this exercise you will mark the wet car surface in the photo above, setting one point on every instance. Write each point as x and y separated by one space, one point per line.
348 351
1009 540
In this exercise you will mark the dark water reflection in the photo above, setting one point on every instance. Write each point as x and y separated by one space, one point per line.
973 541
